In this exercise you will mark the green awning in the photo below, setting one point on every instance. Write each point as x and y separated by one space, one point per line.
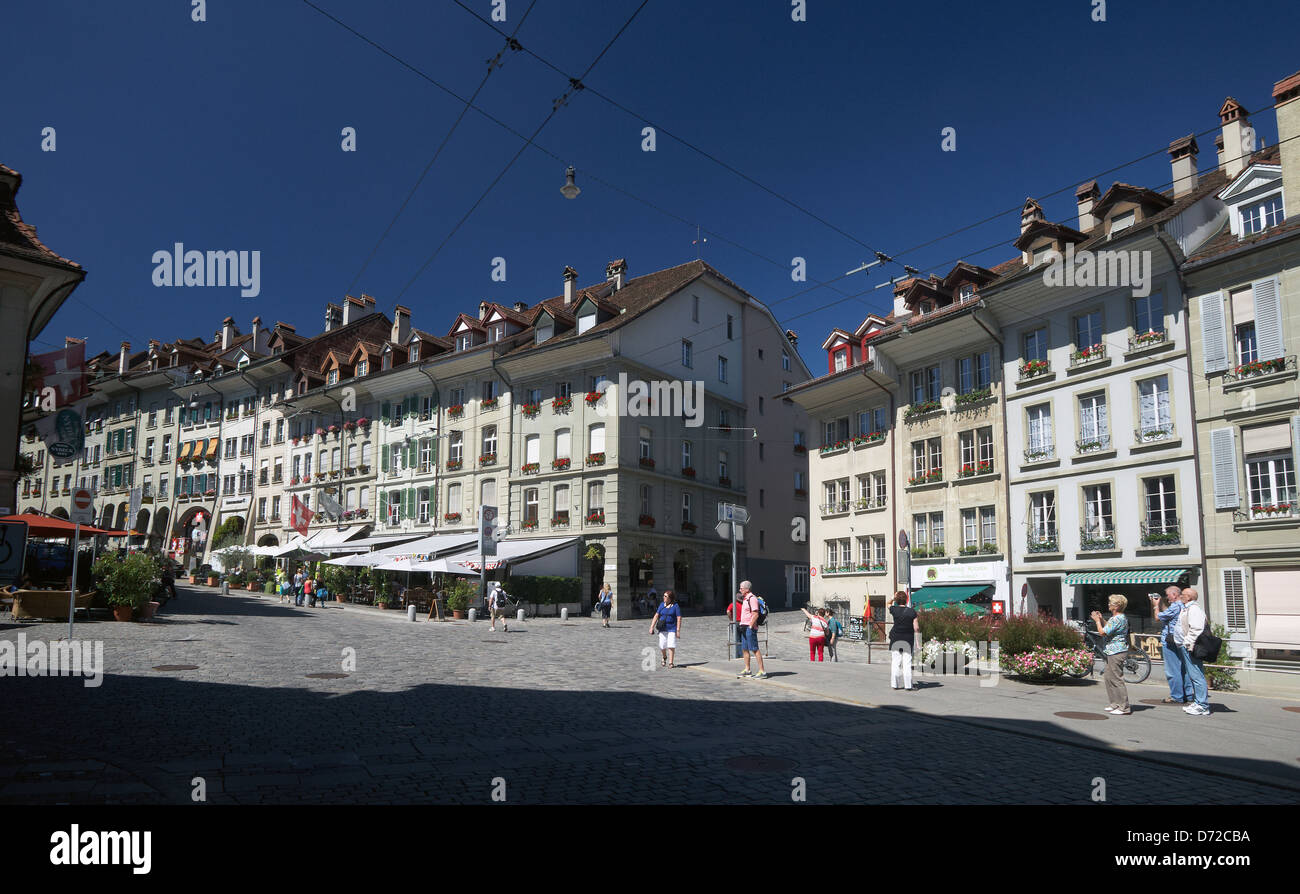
945 594
1150 576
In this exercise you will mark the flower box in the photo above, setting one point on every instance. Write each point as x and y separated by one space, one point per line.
350 470
209 493
363 469
801 492
724 481
530 410
1090 353
1144 339
1032 368
530 468
596 517
451 517
1271 510
592 396
487 459
871 438
688 527
320 432
349 426
561 403
977 396
363 422
295 442
455 411
647 521
293 480
800 448
1259 367
923 408
925 478
968 470
831 448
320 476
559 521
334 430
454 464
528 525
561 463
490 403
989 549
595 459
647 462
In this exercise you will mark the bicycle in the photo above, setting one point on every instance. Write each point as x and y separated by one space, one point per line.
1136 668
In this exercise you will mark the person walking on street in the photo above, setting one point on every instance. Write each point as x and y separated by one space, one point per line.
1192 624
1115 649
496 607
1167 610
605 603
297 585
902 642
667 623
816 634
834 630
750 611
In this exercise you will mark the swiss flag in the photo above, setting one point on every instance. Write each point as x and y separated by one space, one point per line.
299 517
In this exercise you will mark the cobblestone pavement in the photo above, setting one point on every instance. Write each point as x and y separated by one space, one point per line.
567 712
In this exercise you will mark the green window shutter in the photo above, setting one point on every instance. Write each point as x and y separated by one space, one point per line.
383 507
386 412
410 455
383 457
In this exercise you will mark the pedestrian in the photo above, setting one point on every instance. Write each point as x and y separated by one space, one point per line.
752 610
816 634
834 630
1116 650
1192 624
1168 609
297 585
668 624
902 642
308 590
652 598
605 603
733 616
495 600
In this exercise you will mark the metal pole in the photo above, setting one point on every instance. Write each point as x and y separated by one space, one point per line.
734 586
72 593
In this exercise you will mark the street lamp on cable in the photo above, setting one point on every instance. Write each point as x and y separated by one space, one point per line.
570 189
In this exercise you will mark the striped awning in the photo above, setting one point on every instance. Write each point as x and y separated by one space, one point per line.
213 445
183 455
1148 576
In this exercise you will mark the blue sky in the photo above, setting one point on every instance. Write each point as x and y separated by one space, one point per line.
225 135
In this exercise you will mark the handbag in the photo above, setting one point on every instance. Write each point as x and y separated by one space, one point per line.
1207 646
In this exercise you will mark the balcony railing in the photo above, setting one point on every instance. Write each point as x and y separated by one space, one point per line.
1092 445
1032 369
1087 355
922 409
1095 537
1161 532
1147 339
864 503
1257 368
834 507
1153 434
1264 511
971 470
1041 539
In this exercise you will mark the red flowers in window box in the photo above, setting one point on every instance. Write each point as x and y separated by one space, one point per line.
596 517
647 521
595 459
451 516
530 410
561 403
688 472
592 396
453 465
647 462
530 468
561 463
456 410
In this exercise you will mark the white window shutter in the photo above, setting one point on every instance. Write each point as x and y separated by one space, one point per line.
1268 319
1234 598
1214 336
1223 446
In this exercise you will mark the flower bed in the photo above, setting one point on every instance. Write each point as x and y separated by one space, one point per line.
1046 663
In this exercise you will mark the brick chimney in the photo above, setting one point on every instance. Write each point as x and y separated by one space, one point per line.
124 358
401 324
1182 157
616 273
792 338
1238 137
227 332
1086 196
570 277
1286 103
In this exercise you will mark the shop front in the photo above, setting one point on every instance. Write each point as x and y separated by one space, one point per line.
1089 591
976 583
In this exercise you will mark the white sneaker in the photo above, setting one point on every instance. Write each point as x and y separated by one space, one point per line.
492 630
1196 710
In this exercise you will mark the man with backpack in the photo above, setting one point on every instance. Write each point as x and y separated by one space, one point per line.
753 612
496 608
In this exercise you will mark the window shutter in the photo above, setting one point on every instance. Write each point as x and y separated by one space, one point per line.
1223 446
1268 319
386 412
1234 598
1214 336
383 457
1295 442
410 502
383 507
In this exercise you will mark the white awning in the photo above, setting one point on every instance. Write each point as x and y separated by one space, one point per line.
323 540
513 552
436 545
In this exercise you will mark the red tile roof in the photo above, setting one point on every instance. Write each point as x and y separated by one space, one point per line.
17 238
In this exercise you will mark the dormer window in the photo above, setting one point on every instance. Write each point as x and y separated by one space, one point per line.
385 362
927 306
363 367
497 332
545 330
966 292
332 377
587 319
243 361
1258 216
1041 254
1122 221
841 361
414 354
462 342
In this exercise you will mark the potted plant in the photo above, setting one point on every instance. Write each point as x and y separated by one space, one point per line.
127 583
457 600
213 578
382 600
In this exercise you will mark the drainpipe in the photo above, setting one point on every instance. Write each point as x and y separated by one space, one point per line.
1006 457
1162 237
893 503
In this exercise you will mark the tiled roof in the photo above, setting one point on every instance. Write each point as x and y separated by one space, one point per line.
17 238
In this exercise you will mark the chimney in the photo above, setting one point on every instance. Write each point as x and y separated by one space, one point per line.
353 309
1218 149
1286 103
1182 156
227 332
901 310
1030 213
257 333
520 307
1087 196
615 273
483 310
368 302
401 324
792 338
123 358
1238 137
570 277
333 316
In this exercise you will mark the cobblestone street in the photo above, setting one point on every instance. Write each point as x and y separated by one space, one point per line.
567 713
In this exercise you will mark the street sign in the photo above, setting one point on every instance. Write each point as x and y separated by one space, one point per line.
83 508
724 531
487 523
732 512
13 549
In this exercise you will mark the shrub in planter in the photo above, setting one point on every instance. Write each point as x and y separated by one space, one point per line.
127 582
1222 679
1023 633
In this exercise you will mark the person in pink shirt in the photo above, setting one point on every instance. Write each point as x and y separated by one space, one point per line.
749 611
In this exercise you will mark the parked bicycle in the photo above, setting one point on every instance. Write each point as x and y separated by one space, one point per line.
1137 664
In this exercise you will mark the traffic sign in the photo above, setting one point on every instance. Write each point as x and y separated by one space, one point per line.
724 531
83 508
732 512
13 549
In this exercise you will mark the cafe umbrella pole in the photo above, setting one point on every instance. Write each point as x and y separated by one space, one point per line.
72 591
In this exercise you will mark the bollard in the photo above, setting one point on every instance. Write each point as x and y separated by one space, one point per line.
473 614
564 612
519 615
410 613
225 586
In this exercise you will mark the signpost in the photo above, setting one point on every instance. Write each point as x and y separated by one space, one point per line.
83 508
732 526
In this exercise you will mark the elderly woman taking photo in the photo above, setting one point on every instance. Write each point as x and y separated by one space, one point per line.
1115 648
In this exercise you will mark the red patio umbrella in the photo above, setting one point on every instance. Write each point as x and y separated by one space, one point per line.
46 526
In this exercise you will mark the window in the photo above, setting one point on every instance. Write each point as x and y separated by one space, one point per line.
456 397
534 396
162 486
988 526
488 492
332 377
1042 516
596 496
414 353
760 405
1258 217
1087 330
279 470
927 460
261 509
879 489
352 456
722 369
489 440
785 360
800 440
166 449
686 508
730 319
564 389
643 442
1154 408
560 504
1271 479
365 453
800 483
974 372
965 291
1121 222
835 430
1040 429
490 389
426 454
686 455
279 431
841 360
394 507
462 342
363 367
455 447
1149 313
497 332
760 451
596 438
724 468
695 308
1162 505
1035 345
586 319
970 531
688 359
364 502
453 499
1247 343
1094 429
148 451
306 465
562 444
646 499
1098 523
532 449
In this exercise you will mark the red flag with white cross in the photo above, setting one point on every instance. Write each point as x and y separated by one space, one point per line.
299 517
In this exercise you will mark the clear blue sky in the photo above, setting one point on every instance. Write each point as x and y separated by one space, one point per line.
226 135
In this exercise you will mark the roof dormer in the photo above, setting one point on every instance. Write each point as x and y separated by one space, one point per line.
839 350
1041 238
1254 200
1125 206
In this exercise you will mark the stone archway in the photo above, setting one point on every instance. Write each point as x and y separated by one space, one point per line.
122 509
59 512
268 540
160 520
106 517
595 554
141 521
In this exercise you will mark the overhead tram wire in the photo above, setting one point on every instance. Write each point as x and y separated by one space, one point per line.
575 85
510 44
